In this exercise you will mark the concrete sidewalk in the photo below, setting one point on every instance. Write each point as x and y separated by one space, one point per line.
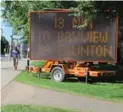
8 73
19 93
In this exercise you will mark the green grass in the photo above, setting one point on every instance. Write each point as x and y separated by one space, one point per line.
32 108
107 91
38 63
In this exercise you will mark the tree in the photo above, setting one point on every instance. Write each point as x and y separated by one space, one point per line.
4 44
16 13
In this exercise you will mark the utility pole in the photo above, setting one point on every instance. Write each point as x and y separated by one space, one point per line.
10 48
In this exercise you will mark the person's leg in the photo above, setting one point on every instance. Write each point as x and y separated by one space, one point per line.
17 58
14 62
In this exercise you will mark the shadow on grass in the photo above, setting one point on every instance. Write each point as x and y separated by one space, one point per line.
117 97
95 81
112 79
42 75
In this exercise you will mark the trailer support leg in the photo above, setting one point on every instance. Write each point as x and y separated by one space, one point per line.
28 63
86 79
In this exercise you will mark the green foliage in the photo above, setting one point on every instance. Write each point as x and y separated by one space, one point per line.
38 63
16 13
86 10
4 44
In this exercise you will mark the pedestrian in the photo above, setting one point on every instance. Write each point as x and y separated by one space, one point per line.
15 55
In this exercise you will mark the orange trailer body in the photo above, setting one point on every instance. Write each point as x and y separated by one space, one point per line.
78 70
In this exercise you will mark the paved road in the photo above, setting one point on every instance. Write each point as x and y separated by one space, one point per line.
19 93
4 58
7 71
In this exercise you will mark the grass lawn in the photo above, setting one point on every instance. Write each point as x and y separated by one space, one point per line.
31 108
107 91
38 63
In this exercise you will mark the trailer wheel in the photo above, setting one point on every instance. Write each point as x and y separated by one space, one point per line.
57 74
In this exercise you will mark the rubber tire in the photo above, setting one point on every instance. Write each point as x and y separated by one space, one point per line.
62 77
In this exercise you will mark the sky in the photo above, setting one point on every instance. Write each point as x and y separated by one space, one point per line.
7 30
